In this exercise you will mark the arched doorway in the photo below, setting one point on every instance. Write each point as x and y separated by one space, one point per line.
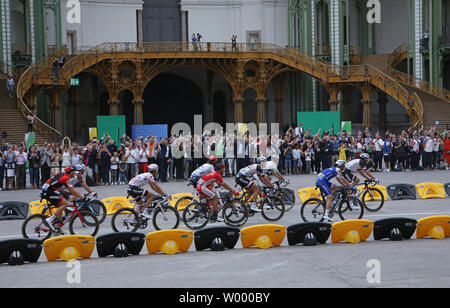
126 108
171 99
220 112
250 107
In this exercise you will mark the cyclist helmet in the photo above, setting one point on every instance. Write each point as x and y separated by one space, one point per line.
80 167
219 167
340 163
261 160
213 159
152 167
364 156
69 169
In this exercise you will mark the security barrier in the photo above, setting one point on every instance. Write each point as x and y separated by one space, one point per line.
11 210
351 231
402 192
309 234
216 238
17 251
263 236
176 197
69 247
36 207
396 229
169 241
120 244
113 204
308 193
376 195
437 227
447 189
430 190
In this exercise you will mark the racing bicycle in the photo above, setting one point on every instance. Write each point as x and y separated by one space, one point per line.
163 217
80 223
92 205
372 197
347 207
198 213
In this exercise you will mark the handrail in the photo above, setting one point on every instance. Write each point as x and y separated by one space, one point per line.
293 57
393 59
413 81
40 126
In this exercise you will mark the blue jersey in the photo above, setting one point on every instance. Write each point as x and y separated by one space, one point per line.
328 174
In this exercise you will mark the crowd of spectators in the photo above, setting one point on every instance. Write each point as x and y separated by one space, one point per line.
296 152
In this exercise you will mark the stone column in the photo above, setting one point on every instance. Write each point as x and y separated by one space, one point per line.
113 107
261 116
238 110
367 116
138 113
366 100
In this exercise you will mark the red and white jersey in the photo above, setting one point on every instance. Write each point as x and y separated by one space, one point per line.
250 171
203 170
209 179
142 179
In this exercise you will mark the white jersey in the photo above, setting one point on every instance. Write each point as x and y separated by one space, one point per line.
203 170
269 167
354 165
250 171
141 180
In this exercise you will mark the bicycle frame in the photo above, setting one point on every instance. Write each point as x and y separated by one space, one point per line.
72 213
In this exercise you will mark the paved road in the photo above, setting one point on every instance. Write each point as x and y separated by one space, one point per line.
412 263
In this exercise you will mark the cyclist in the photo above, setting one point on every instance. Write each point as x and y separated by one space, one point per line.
203 170
362 165
78 179
327 188
51 191
135 190
205 184
269 168
244 178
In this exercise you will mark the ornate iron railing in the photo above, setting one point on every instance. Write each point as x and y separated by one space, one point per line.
293 57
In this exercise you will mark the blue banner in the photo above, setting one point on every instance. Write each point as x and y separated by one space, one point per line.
143 131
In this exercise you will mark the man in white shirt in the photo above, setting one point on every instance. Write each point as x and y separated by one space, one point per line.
130 157
437 143
378 159
428 153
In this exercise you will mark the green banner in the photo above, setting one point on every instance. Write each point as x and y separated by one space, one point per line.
323 120
112 125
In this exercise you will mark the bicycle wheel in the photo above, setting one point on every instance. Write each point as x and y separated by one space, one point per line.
181 204
352 208
97 208
235 213
196 215
288 197
35 227
312 210
84 224
125 220
165 218
373 199
272 208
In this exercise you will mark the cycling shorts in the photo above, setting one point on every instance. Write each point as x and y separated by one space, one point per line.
136 192
325 187
348 175
205 191
53 197
243 182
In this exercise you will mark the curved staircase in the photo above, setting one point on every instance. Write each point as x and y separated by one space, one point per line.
435 100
